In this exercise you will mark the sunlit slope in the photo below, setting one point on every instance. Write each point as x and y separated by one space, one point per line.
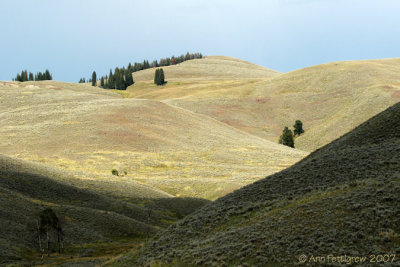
91 131
211 68
341 200
330 99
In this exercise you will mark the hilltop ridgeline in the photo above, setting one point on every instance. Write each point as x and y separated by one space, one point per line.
342 200
330 99
122 77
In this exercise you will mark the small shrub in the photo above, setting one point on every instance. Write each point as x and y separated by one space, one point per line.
114 172
287 138
298 128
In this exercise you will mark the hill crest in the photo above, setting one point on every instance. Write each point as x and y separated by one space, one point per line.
331 99
209 68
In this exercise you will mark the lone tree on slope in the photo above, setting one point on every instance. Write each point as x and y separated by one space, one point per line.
298 128
159 77
287 138
49 223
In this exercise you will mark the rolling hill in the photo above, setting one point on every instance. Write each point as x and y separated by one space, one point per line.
70 137
90 218
343 199
331 99
90 131
212 129
95 225
209 68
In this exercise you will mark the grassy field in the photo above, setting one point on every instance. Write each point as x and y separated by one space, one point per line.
340 200
90 131
331 99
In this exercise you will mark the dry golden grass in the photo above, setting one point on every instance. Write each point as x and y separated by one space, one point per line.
209 68
207 132
330 99
341 200
171 145
90 131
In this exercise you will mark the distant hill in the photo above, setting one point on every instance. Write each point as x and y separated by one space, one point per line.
331 99
342 199
210 67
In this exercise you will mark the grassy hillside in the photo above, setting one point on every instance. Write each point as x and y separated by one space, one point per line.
330 99
209 68
95 225
341 200
90 131
212 129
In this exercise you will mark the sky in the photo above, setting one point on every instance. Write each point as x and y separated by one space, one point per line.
72 38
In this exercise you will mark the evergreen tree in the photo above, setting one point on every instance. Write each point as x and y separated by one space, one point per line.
102 82
163 62
156 76
159 78
146 64
117 79
173 60
298 128
287 138
24 76
162 77
154 64
94 78
137 66
31 78
111 84
47 75
129 78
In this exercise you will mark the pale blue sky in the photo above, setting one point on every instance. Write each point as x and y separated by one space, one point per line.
74 37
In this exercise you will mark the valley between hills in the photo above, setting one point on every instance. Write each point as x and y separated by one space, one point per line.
196 152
